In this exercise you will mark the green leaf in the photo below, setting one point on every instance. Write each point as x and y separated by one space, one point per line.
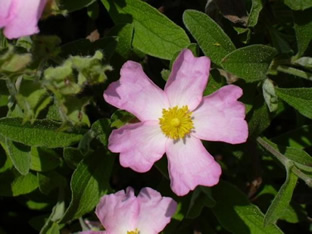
43 159
32 99
14 184
201 198
101 129
279 41
296 72
89 182
42 133
281 200
296 155
269 95
64 80
259 118
75 5
72 156
69 79
303 29
253 16
299 157
61 79
51 225
124 33
298 98
53 229
19 155
24 184
12 62
91 69
298 138
211 38
293 213
215 82
74 108
4 94
165 73
120 118
84 144
154 34
250 63
3 41
304 62
236 213
37 203
298 5
5 162
54 113
50 180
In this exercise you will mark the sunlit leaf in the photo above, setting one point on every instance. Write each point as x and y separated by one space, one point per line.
19 155
250 63
298 98
209 35
41 133
154 34
89 182
303 27
235 212
281 200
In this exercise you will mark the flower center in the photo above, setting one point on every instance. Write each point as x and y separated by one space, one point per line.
176 122
136 231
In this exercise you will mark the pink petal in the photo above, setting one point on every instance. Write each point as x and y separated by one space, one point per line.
140 145
220 117
5 9
24 17
187 80
136 93
94 232
118 212
155 211
190 164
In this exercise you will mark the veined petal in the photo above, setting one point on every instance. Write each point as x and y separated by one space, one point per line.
118 212
24 17
136 93
190 164
155 211
140 145
187 80
220 117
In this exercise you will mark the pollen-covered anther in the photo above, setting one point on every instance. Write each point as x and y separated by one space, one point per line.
176 122
136 231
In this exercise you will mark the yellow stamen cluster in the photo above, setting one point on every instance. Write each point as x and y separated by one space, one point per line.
176 122
136 231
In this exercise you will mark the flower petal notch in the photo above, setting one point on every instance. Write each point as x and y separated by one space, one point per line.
174 121
123 212
20 18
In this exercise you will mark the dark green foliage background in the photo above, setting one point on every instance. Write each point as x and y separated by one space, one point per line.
54 123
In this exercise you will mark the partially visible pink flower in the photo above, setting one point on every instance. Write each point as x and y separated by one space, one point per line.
174 120
124 213
20 17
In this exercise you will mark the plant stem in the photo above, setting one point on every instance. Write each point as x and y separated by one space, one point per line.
285 161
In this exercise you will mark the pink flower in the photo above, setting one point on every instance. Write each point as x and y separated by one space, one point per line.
20 17
174 120
124 213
